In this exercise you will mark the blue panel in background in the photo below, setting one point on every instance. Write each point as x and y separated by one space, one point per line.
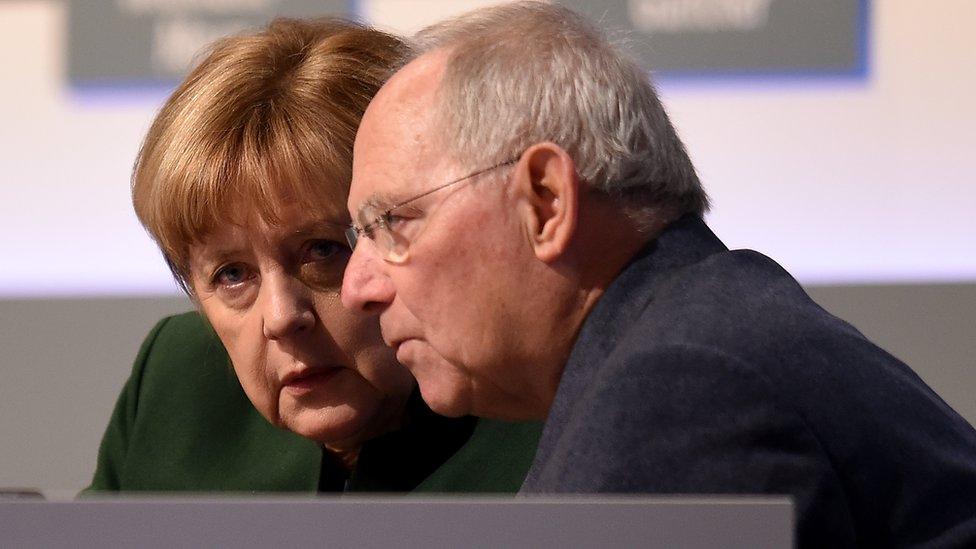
702 40
142 48
147 46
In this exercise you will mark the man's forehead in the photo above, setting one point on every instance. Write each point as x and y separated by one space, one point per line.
386 161
417 78
395 144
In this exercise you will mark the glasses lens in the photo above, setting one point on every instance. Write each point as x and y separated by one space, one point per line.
399 246
352 236
393 247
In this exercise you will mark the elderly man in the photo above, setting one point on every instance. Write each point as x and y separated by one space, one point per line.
528 229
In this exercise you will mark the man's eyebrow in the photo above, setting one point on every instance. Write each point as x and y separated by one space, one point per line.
380 201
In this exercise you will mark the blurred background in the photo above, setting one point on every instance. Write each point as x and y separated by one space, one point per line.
835 136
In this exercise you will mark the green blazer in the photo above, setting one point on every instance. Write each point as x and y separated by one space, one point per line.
183 423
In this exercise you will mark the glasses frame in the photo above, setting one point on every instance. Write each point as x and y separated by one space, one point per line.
382 220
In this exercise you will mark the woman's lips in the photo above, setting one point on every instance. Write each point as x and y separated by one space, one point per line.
309 380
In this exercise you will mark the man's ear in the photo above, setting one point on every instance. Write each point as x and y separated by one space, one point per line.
547 181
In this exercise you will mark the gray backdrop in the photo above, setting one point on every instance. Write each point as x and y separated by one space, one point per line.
64 361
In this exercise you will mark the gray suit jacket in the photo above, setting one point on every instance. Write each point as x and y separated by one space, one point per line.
708 371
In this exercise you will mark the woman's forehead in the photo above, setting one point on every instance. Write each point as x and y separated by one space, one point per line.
279 202
282 218
276 206
256 234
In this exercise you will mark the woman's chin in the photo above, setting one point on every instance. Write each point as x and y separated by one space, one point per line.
332 426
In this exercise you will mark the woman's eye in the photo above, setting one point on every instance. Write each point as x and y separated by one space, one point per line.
231 275
323 250
323 264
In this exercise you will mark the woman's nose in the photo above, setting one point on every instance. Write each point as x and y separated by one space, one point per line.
287 307
366 289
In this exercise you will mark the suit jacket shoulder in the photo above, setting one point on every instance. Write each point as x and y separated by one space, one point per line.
709 371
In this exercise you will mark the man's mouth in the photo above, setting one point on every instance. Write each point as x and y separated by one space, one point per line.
395 342
402 348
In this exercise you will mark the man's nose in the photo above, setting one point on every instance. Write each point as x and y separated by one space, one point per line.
287 307
365 287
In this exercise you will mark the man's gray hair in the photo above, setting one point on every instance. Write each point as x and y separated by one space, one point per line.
527 72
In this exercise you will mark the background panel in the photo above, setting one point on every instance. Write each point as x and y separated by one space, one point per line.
860 182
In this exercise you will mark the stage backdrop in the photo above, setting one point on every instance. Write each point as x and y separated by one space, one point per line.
835 136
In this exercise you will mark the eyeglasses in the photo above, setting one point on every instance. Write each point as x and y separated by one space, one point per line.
384 228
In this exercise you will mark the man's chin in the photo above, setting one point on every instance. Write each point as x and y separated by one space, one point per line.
443 401
442 385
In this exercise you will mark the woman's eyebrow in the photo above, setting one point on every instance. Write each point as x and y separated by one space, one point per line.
211 257
317 225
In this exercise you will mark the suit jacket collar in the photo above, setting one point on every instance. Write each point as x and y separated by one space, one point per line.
685 242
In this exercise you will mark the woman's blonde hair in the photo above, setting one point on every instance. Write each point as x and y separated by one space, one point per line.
266 118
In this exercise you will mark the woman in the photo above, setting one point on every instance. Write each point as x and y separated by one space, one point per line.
242 181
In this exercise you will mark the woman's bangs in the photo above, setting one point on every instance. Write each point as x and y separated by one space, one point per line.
285 165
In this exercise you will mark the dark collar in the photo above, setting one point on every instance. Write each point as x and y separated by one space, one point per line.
684 242
400 460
